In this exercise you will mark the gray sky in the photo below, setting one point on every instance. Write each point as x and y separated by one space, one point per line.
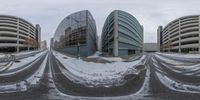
150 13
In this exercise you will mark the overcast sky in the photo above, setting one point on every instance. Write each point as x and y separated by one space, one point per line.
150 13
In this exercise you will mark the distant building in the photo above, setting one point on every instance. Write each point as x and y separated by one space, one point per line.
17 34
43 45
159 38
122 35
38 34
150 47
98 43
76 34
182 35
51 43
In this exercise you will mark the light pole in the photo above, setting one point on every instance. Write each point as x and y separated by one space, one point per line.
78 44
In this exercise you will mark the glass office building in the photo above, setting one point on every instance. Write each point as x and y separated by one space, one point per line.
122 35
76 34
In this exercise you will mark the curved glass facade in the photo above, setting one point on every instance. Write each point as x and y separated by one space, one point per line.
76 34
122 34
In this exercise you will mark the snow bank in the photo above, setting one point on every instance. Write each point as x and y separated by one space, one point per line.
25 61
169 60
98 74
96 54
110 59
23 85
180 55
177 86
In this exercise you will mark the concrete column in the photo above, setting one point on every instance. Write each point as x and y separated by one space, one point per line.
116 35
168 39
18 35
158 40
142 39
29 36
179 49
199 35
159 34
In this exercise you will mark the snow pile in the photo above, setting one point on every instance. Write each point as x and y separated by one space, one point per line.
23 85
26 52
180 55
22 62
177 86
167 60
183 67
98 74
96 54
2 55
110 59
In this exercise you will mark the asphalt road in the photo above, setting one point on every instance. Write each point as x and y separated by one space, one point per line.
158 90
67 86
23 73
55 85
171 71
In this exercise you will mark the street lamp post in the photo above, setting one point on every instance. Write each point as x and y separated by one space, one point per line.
78 44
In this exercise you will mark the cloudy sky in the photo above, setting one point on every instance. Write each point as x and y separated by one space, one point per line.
150 13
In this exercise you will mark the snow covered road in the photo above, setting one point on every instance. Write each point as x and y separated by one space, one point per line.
153 76
96 78
98 74
178 75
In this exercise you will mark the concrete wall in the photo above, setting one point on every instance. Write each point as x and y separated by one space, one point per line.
18 33
181 35
150 47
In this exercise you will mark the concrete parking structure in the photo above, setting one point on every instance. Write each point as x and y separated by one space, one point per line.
181 35
17 34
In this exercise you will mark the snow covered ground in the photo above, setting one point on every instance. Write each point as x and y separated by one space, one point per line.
25 61
20 64
113 59
99 74
180 55
178 86
26 52
110 59
140 95
169 60
2 55
25 84
182 67
96 54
